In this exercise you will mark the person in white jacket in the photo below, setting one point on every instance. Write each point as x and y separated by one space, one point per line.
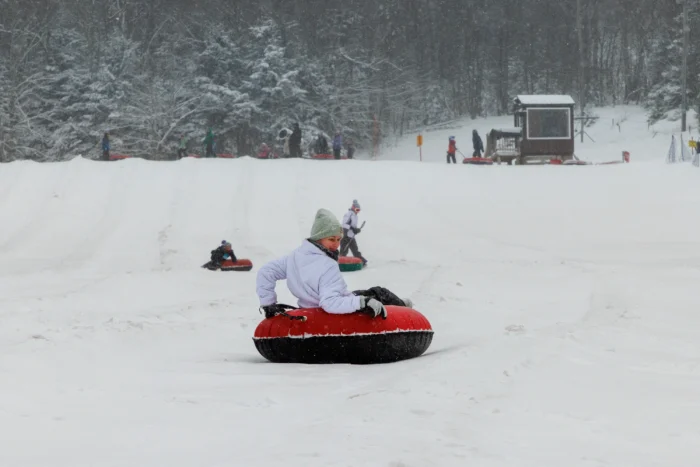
350 231
283 136
313 275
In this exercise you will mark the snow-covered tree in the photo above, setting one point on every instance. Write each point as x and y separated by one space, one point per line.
151 71
665 97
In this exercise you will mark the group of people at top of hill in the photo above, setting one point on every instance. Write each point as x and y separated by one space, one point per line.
209 143
320 146
477 143
291 145
291 139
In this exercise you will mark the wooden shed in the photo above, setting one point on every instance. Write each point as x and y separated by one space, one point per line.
547 123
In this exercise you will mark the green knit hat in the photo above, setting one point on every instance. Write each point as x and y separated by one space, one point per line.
325 225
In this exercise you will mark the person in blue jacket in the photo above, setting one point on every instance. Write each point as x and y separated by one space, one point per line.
337 144
105 147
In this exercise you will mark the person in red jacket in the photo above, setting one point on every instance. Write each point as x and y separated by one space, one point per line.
451 150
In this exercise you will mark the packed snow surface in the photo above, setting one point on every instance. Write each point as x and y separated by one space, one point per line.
564 301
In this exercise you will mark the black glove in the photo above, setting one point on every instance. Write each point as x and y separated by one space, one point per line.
273 310
277 309
356 230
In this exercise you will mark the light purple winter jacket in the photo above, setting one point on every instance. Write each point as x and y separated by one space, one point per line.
337 142
312 277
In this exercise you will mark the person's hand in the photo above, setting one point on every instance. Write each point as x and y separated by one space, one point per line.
372 307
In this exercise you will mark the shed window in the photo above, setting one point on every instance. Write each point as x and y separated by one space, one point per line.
549 123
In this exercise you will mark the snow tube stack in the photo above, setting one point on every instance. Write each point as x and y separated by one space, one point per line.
240 265
349 263
353 338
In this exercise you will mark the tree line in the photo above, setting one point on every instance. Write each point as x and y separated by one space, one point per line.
151 71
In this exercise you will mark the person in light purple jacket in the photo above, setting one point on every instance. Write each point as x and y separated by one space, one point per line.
314 278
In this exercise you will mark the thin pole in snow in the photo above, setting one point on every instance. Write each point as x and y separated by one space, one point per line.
685 65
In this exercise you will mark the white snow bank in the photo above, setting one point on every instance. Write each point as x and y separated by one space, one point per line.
564 302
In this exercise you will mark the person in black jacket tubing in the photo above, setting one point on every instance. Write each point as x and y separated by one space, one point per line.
221 254
478 144
295 142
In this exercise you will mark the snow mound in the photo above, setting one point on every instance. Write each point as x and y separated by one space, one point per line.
564 303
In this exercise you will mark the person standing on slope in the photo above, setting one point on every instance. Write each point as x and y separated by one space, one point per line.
105 147
182 147
314 278
295 142
284 136
337 144
209 144
350 231
451 149
477 143
350 144
321 146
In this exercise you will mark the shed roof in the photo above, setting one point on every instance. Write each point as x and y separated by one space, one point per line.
509 130
544 99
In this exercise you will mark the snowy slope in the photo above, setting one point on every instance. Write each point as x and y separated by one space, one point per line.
564 301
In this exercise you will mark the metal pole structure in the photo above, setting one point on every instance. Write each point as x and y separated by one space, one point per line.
581 64
685 65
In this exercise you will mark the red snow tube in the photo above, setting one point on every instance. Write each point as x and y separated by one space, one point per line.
349 263
478 161
352 338
118 157
226 156
240 265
